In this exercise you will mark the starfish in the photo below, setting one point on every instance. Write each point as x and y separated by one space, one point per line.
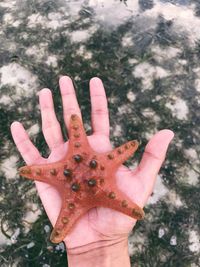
85 178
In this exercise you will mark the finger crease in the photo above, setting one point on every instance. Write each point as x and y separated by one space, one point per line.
22 141
71 110
152 155
67 94
99 112
33 159
46 108
99 96
50 126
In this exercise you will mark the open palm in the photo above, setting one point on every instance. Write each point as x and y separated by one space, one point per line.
99 223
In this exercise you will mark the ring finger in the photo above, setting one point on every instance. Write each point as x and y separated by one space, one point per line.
69 101
50 125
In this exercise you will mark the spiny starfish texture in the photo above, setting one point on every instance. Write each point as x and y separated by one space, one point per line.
86 179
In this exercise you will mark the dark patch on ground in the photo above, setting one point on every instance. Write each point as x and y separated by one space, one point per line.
145 4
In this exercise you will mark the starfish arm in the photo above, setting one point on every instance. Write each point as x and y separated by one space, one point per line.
70 212
50 173
78 141
119 155
117 200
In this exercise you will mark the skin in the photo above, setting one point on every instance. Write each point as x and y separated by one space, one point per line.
100 237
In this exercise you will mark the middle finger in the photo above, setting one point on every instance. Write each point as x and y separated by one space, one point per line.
69 100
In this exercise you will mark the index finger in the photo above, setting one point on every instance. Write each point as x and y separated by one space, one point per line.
28 151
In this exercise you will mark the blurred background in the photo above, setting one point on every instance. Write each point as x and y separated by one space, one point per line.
147 53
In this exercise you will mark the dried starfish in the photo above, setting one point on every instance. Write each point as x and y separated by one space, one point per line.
86 179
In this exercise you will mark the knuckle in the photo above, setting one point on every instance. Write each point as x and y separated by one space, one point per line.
100 111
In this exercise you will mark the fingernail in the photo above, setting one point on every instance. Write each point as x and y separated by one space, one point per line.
96 80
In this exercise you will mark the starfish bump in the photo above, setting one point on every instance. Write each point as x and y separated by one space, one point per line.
86 179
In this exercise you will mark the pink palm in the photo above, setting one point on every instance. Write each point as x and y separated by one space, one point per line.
99 223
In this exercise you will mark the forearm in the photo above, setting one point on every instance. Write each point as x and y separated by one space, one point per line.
103 253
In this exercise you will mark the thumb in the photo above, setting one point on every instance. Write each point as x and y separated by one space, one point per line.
153 157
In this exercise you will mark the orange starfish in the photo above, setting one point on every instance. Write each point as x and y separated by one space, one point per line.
86 179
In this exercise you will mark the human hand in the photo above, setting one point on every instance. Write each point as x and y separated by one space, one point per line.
99 224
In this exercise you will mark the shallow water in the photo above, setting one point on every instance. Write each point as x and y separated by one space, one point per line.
147 54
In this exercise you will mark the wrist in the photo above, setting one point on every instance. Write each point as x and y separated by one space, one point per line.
105 253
